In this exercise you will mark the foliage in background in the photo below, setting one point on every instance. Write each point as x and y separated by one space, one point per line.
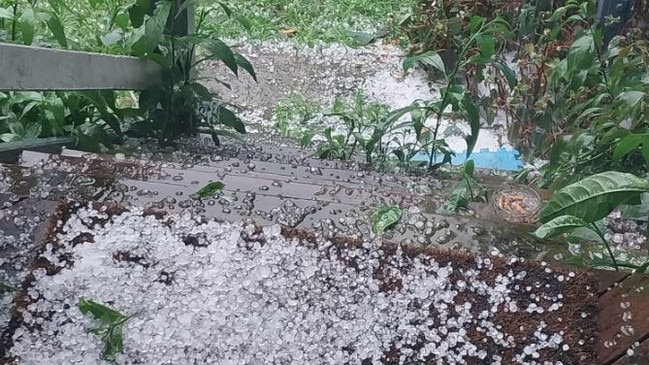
359 121
353 22
92 117
477 52
177 107
584 203
566 98
387 140
181 106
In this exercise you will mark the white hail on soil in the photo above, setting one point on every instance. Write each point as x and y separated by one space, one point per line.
279 303
337 70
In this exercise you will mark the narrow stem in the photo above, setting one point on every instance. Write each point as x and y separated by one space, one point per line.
608 247
468 185
451 81
13 23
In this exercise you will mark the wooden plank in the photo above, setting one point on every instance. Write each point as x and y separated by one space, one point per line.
637 356
34 68
608 278
623 317
10 151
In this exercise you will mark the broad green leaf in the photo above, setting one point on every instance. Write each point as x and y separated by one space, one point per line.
581 54
246 65
645 149
638 212
469 168
114 343
430 58
201 91
226 9
26 22
361 39
159 59
628 144
509 74
54 23
475 23
122 20
594 197
307 138
458 198
229 119
385 217
102 106
210 189
245 23
219 50
631 97
559 225
153 30
473 118
137 11
100 311
486 44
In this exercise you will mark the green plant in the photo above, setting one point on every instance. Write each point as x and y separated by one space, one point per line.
584 203
611 110
474 54
93 117
362 120
385 217
467 190
353 22
292 112
171 109
5 288
210 189
110 329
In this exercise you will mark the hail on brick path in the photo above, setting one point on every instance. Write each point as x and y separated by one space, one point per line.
222 300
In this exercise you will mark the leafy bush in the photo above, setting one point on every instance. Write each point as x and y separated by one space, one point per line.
584 203
176 107
92 117
567 98
600 99
180 106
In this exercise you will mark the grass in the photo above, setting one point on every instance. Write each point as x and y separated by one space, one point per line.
353 22
293 111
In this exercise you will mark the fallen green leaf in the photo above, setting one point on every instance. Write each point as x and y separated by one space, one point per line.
99 311
4 288
385 217
110 330
210 189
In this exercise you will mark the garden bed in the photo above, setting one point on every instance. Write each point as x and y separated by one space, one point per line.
209 292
